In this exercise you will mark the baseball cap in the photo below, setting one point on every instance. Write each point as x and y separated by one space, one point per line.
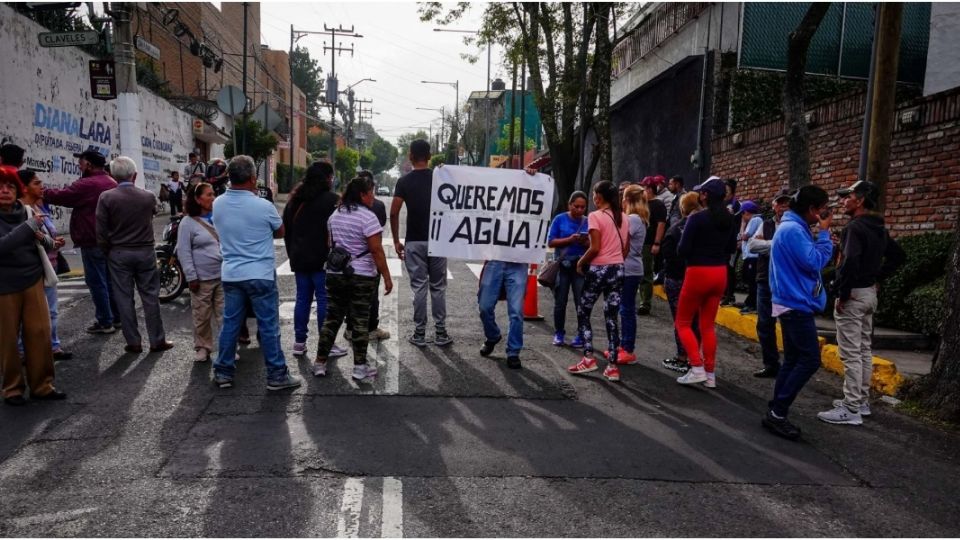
713 185
93 156
659 179
784 193
647 181
750 206
863 188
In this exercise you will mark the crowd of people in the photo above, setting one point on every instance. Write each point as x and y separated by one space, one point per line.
644 233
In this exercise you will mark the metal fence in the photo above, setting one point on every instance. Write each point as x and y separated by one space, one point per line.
658 27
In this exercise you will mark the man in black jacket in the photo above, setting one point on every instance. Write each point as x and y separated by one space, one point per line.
766 322
868 255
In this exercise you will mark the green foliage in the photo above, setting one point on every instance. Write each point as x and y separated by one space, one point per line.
384 155
756 97
64 20
319 144
284 182
346 164
147 76
403 146
926 305
924 267
366 160
503 143
307 75
437 159
260 142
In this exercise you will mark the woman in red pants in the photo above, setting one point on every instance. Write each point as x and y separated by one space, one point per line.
707 242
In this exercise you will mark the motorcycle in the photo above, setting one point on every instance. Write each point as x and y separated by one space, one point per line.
172 279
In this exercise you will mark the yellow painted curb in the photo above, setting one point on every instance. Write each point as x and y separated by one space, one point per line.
886 379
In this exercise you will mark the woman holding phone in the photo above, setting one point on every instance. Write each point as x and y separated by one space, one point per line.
568 237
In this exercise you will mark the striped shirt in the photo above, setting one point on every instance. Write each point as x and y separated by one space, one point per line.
350 231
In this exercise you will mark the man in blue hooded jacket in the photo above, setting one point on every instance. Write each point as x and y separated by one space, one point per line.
796 259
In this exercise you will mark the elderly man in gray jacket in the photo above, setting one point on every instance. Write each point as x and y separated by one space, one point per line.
125 235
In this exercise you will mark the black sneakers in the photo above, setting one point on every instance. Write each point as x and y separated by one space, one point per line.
766 373
780 426
513 362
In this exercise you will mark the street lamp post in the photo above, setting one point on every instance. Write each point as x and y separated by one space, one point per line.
456 114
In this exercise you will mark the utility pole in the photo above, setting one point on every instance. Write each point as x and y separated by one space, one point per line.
883 107
246 9
128 95
295 35
334 51
362 102
513 113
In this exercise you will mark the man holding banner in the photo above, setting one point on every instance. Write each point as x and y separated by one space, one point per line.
424 269
499 216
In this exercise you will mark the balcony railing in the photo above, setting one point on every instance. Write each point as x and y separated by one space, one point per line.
663 23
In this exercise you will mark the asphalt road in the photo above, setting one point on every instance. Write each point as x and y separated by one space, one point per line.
447 443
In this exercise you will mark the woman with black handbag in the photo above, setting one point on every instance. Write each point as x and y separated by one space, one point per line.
356 256
33 197
568 236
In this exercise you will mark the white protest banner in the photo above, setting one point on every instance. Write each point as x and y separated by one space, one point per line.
479 213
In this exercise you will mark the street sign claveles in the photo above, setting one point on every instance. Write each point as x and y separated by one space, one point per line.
68 39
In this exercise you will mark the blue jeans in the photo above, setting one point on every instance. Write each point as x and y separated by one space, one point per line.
767 327
567 279
264 298
801 359
628 312
310 285
512 277
97 278
52 303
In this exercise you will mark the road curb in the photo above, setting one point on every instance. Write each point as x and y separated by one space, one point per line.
886 378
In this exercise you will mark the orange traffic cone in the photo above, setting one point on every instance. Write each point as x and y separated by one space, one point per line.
531 300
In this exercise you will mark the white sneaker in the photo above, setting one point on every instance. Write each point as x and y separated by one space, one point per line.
201 355
692 377
711 381
841 415
337 352
364 371
319 369
864 407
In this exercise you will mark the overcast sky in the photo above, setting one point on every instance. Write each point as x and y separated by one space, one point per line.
396 49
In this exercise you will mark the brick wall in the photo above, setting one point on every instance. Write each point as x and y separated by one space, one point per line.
923 191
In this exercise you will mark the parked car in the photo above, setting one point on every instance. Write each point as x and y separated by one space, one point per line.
383 190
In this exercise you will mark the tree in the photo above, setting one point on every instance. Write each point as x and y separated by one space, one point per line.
366 160
939 391
553 40
794 123
503 143
437 159
403 148
319 144
384 155
307 76
346 164
260 142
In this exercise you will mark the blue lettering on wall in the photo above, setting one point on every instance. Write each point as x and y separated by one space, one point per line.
53 119
151 165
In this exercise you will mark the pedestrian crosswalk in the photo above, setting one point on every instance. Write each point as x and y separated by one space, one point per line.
72 288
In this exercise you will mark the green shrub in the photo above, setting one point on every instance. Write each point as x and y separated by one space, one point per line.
927 307
926 262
